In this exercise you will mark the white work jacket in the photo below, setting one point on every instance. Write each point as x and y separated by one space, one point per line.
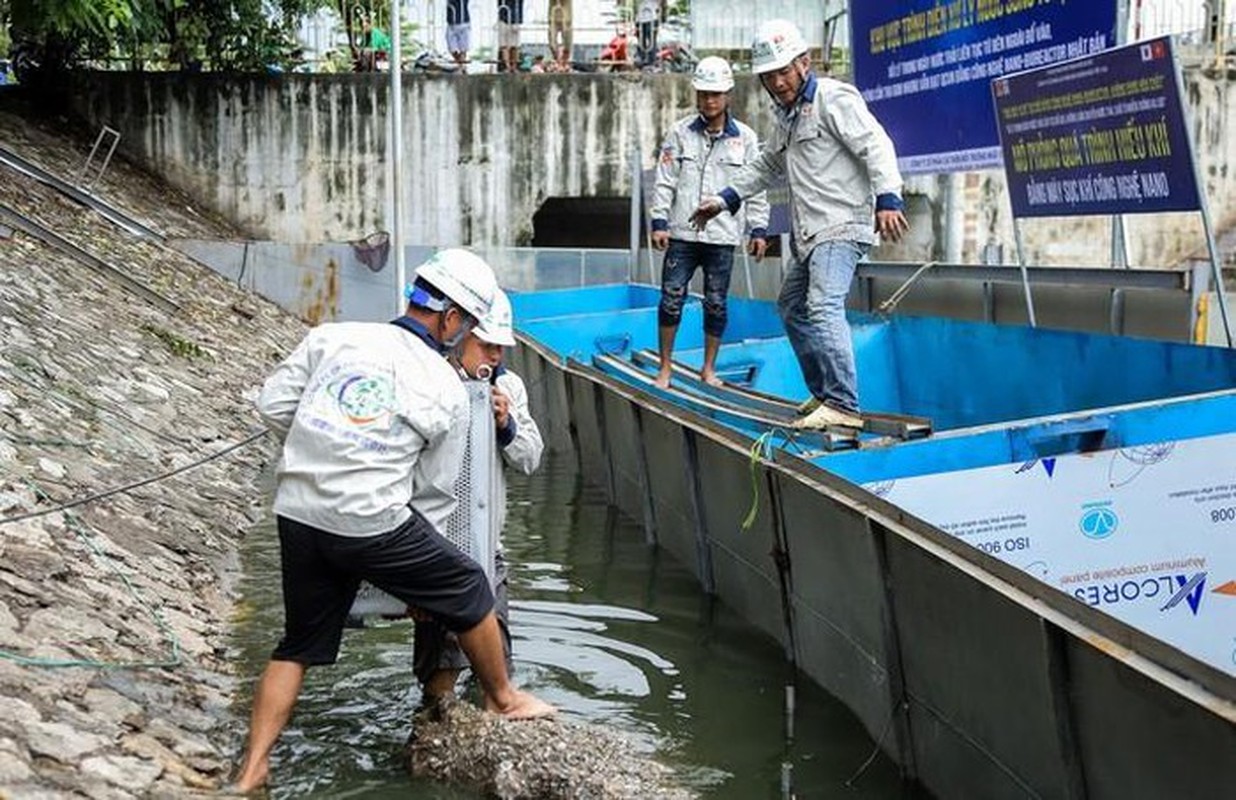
373 418
522 450
838 161
694 165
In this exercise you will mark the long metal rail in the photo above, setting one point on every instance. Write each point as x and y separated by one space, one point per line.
731 412
114 215
21 222
901 426
1172 279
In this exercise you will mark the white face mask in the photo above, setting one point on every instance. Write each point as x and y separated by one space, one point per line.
453 342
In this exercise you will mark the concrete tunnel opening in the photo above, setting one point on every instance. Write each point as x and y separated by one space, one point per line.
587 222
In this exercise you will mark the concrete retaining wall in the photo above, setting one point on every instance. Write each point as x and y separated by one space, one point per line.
300 158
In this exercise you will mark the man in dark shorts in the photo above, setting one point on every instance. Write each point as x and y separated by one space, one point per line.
370 415
437 659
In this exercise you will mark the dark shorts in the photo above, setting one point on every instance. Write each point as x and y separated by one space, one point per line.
681 261
322 571
435 648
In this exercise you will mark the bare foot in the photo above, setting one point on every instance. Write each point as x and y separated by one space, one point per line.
663 379
711 379
522 705
252 778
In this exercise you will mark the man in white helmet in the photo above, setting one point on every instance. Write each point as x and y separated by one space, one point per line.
437 658
374 418
845 193
701 155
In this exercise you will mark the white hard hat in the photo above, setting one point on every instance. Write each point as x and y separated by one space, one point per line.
713 74
497 326
463 277
776 44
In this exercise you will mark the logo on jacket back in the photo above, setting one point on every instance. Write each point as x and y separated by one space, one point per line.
363 399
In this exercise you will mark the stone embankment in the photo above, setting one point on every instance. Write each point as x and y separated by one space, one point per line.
114 670
130 468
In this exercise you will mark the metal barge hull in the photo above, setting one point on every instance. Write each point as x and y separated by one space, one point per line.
978 679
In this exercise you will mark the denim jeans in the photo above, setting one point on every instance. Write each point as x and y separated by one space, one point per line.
681 259
812 306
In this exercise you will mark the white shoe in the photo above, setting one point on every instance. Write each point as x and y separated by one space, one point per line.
808 405
825 416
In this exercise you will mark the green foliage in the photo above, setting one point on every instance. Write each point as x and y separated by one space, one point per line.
185 34
69 18
178 345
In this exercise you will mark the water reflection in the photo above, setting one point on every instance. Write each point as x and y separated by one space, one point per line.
613 632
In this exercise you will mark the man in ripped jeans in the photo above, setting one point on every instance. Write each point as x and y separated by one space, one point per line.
700 155
845 194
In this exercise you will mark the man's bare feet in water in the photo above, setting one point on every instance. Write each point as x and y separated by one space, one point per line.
663 379
521 705
251 780
709 377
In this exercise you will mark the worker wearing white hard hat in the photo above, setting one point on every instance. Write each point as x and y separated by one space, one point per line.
700 156
437 659
845 194
373 421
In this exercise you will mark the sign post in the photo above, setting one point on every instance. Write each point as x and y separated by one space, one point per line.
1104 134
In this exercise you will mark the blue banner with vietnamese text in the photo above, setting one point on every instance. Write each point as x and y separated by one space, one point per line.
925 67
1104 134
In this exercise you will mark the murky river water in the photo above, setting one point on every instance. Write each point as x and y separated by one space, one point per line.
612 632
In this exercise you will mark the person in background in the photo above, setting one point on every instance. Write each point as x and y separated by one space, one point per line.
437 658
845 193
372 418
560 64
561 33
510 17
375 46
647 18
616 55
458 30
701 154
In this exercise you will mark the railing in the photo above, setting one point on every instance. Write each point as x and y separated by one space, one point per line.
538 268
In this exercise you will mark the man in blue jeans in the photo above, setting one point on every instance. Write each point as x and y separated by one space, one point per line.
701 154
845 192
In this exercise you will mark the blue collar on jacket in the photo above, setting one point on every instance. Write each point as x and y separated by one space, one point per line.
700 126
806 94
419 331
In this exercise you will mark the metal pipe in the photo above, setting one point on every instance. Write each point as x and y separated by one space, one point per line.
1120 243
1216 268
396 112
1025 276
790 709
635 211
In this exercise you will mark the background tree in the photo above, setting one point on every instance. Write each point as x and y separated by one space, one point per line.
55 35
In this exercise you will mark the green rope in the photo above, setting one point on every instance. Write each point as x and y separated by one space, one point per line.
761 448
17 438
31 365
169 635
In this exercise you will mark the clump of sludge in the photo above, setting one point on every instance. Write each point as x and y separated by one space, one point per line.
547 759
